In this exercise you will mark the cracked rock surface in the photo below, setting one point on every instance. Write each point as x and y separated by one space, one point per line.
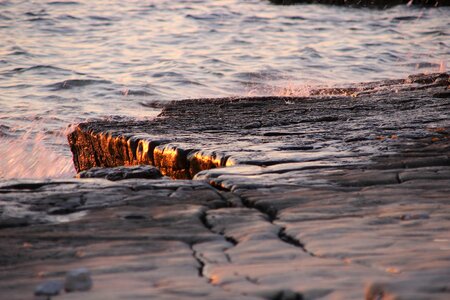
340 195
137 238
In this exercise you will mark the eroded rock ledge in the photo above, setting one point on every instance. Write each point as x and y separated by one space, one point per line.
341 195
331 125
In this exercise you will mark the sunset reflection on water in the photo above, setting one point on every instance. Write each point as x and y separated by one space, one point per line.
63 63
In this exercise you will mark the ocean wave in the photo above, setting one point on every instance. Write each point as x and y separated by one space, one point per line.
63 3
424 65
30 157
68 17
40 19
166 74
313 53
4 130
100 18
19 52
40 13
263 75
435 33
37 67
153 104
207 17
74 83
4 17
404 18
295 18
178 49
127 92
16 86
184 82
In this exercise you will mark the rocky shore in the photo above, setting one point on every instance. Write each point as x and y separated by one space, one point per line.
340 195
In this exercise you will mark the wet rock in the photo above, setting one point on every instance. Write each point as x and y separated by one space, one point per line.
65 208
442 95
78 280
120 173
376 291
49 288
288 295
134 217
326 194
136 233
181 148
12 221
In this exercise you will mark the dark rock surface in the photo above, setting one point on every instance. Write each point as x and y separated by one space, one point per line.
333 126
120 173
366 3
49 288
137 237
341 195
78 280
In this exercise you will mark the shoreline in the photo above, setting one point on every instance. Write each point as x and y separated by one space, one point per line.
342 195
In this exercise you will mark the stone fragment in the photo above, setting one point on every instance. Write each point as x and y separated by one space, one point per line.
78 280
49 288
283 294
289 295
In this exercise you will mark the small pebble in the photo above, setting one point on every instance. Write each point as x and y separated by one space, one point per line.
78 280
49 288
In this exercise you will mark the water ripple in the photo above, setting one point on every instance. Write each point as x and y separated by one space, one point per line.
63 3
65 61
127 92
40 13
74 83
43 69
4 17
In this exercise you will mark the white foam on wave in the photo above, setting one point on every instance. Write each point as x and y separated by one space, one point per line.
293 90
29 157
287 89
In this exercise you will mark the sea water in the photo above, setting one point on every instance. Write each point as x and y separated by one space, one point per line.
64 62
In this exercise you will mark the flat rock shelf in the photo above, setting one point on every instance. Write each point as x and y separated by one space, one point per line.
344 194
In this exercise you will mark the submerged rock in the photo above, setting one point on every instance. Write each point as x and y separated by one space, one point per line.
78 280
49 288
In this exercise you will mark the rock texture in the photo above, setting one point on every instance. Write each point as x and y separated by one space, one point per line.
330 126
49 288
78 280
120 173
340 195
137 237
